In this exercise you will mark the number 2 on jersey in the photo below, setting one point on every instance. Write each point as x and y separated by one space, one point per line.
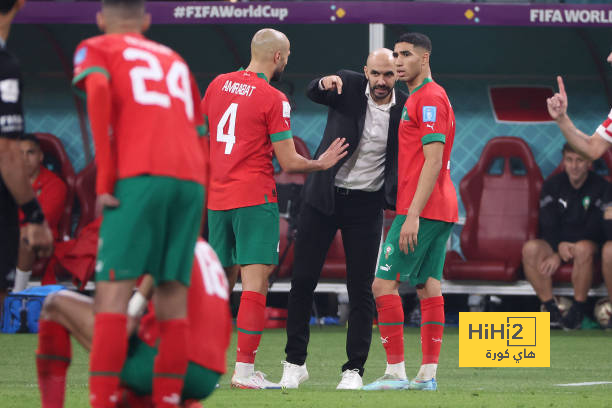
228 138
177 80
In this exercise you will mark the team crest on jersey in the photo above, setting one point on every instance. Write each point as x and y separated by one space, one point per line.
429 113
586 202
405 114
9 90
388 250
80 56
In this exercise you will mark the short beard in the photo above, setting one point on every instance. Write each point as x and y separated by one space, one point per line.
276 76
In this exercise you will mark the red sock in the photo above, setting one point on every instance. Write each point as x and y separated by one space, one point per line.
52 361
108 352
250 322
391 326
170 364
432 327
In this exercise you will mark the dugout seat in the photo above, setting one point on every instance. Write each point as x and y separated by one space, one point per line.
500 195
56 159
85 190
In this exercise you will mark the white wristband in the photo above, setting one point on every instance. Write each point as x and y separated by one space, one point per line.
137 305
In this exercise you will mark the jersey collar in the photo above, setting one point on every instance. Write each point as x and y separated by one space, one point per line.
259 74
425 81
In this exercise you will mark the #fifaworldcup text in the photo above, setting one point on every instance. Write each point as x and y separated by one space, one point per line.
231 12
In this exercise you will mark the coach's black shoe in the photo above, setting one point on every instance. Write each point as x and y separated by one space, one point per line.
573 318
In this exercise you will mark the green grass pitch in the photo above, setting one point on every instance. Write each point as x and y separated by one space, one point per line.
580 356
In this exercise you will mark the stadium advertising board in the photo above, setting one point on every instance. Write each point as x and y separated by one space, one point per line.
342 12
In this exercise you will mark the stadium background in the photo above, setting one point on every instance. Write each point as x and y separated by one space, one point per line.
466 60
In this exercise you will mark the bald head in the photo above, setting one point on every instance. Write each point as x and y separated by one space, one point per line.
381 74
266 43
380 56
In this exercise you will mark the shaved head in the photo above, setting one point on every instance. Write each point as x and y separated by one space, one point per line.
266 42
380 56
270 48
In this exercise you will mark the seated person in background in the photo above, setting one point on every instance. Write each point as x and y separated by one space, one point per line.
606 251
68 313
50 191
569 231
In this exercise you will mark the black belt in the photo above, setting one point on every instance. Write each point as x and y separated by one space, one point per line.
348 192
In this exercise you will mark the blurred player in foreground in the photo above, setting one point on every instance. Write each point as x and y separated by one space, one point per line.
68 313
143 107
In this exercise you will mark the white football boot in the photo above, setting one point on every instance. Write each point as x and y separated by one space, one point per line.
293 375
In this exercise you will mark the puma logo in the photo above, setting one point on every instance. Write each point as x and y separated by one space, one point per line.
430 125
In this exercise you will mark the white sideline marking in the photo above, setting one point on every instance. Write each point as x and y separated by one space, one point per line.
582 384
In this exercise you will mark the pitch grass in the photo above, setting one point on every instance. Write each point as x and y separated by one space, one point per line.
580 356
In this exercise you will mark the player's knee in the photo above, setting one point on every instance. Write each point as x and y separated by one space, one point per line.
381 287
606 252
531 250
584 251
49 307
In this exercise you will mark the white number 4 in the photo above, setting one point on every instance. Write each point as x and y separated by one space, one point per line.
228 138
177 81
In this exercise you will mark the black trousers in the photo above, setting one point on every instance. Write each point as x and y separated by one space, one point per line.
9 234
359 217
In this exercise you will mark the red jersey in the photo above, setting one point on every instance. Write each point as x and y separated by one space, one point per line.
50 192
605 129
427 117
208 312
245 116
154 112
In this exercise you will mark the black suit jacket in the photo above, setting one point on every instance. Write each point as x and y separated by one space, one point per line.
345 118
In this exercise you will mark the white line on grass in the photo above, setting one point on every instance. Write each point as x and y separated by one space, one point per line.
582 384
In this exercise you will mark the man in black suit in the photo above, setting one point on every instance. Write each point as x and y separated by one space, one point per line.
365 109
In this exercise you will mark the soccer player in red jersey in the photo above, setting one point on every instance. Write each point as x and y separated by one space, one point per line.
592 147
143 106
68 313
50 191
426 210
249 121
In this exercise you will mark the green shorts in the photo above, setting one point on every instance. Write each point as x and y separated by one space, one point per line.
427 260
137 373
244 236
153 230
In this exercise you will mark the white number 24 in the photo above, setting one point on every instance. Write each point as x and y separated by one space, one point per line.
177 81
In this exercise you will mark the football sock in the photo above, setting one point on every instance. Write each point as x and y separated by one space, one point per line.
52 361
398 370
21 280
108 353
391 326
427 372
170 364
244 370
250 322
432 328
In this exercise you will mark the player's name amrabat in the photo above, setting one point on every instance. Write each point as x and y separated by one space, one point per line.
238 88
499 356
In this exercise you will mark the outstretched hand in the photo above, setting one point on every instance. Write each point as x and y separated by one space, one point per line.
333 154
557 104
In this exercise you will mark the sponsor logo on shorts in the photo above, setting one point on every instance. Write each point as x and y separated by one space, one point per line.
385 267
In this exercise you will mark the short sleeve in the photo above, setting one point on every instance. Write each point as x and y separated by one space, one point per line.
87 60
278 119
433 117
605 129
